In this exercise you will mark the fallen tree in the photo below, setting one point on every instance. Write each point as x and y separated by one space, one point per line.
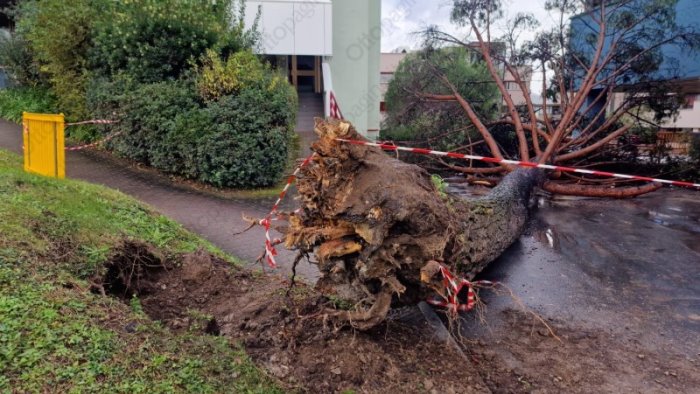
377 225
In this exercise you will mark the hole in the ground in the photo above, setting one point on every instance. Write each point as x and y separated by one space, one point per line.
213 328
167 292
133 270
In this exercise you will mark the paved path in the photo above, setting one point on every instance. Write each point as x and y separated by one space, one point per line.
214 218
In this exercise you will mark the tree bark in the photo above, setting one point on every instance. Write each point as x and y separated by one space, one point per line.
373 222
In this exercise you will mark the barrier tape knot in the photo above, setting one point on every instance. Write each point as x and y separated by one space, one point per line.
453 287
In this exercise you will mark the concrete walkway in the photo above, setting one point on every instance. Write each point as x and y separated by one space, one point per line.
214 218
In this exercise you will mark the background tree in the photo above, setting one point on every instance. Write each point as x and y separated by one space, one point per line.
589 55
413 119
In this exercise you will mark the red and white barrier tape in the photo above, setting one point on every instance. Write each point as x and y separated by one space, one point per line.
528 164
453 287
270 251
334 107
80 147
93 121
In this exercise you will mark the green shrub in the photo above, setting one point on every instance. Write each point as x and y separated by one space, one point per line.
17 59
249 140
59 35
14 101
241 140
154 40
146 115
226 121
218 78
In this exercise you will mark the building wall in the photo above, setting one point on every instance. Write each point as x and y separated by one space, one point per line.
678 62
347 33
354 65
688 118
293 27
389 63
512 86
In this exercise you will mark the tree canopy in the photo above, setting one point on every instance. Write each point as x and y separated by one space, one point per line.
412 117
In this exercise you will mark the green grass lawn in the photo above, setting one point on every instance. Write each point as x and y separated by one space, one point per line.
56 335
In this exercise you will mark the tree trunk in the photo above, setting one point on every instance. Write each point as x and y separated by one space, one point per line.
373 222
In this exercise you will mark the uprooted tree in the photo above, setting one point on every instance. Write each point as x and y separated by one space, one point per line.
593 55
379 227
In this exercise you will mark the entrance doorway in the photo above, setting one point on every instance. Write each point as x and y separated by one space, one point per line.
305 73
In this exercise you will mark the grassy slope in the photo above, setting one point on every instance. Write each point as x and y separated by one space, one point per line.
56 335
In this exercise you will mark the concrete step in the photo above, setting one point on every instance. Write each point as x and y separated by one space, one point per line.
310 106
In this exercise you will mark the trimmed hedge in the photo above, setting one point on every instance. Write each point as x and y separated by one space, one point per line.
239 141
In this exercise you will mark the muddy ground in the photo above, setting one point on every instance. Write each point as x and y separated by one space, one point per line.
286 333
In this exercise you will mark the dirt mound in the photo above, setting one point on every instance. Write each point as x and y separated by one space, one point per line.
286 333
522 356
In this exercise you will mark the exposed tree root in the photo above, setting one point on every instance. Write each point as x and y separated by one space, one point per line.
373 222
572 189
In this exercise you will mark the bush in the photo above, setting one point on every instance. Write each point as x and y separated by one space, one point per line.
180 76
14 101
250 139
16 57
59 35
146 112
218 78
153 40
240 140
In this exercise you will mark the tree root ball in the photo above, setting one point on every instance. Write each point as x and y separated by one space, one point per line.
373 222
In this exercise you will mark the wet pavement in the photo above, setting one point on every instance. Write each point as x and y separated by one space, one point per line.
628 267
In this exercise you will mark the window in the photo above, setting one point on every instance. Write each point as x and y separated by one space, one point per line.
689 101
511 86
386 77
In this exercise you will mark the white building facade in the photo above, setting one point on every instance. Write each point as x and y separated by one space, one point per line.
327 46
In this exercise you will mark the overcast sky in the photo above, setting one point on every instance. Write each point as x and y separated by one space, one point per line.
401 18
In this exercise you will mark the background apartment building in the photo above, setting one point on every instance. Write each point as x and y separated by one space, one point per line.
682 67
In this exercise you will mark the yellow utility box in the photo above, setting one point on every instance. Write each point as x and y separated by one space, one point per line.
44 144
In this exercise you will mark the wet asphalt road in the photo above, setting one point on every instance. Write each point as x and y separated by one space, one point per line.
629 267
